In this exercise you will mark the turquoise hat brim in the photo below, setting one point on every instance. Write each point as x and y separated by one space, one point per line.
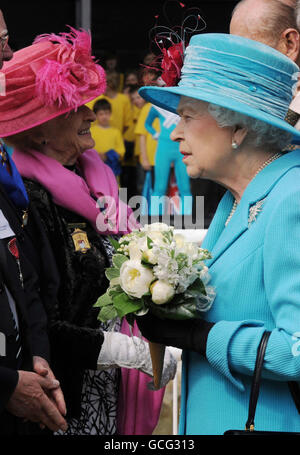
168 98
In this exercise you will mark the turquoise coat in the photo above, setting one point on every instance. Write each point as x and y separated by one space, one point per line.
255 270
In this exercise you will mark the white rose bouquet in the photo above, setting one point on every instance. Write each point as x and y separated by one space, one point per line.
155 270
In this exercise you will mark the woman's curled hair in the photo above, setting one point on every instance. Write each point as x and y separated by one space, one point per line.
260 134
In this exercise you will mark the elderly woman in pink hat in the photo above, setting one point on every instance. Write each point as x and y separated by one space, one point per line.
45 119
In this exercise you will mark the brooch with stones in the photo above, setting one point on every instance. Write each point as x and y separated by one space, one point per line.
254 211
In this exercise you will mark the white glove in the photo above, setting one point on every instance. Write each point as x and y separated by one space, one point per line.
119 350
156 136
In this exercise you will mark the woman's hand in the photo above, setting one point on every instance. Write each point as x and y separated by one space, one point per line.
188 334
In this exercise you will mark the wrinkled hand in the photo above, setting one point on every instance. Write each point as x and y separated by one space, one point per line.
42 368
188 334
30 401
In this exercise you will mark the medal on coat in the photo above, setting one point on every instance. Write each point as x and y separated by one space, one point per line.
13 249
80 241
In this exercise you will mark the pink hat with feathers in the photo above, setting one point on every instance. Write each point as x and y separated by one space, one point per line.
53 76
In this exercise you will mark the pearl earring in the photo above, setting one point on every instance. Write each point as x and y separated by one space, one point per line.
234 145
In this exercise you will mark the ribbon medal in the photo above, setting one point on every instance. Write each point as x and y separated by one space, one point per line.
13 249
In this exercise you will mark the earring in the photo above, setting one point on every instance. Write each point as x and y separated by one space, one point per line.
234 145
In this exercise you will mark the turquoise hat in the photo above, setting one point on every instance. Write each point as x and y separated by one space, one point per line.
237 73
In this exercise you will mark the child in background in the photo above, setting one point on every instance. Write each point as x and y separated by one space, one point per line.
147 146
108 140
120 104
132 145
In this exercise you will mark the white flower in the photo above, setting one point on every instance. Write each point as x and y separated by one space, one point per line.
179 240
134 250
191 250
162 292
149 256
157 227
135 279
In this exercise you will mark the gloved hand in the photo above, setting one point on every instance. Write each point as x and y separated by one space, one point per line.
119 350
188 334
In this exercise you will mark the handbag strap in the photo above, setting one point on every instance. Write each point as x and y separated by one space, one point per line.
293 386
256 380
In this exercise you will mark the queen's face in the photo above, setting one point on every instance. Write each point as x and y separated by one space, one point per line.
205 146
68 136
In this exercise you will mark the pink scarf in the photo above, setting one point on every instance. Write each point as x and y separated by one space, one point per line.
74 193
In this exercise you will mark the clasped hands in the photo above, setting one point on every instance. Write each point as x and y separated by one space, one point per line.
38 397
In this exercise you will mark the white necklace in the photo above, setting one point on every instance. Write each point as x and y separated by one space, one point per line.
235 204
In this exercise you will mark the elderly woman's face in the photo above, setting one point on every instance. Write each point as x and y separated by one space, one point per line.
5 51
68 136
204 145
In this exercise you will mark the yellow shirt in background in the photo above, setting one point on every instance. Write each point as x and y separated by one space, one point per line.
151 143
129 134
107 139
121 110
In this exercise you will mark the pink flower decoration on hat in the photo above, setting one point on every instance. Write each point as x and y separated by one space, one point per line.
73 74
171 64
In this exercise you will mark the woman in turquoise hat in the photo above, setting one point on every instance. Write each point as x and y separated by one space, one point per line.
233 99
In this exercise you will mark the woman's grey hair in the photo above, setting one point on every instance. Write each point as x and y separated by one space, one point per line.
260 134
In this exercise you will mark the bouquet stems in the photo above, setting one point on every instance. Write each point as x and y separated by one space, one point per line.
157 352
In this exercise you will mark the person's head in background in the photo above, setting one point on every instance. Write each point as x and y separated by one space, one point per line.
150 76
112 81
272 22
111 62
149 58
131 77
135 97
5 51
102 110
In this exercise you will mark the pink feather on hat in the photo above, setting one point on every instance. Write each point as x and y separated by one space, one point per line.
53 76
74 72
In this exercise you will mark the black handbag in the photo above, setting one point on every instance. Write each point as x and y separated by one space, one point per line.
293 386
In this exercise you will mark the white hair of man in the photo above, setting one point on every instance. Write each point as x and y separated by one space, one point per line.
297 13
266 20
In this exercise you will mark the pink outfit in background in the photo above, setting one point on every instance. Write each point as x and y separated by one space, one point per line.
138 407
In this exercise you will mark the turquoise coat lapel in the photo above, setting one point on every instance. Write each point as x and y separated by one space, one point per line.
219 238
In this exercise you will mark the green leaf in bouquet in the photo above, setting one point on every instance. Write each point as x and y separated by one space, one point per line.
114 243
187 310
118 260
114 290
107 313
196 288
124 304
149 242
168 236
104 300
112 273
